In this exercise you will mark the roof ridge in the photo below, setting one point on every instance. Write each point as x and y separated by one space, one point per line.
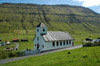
56 31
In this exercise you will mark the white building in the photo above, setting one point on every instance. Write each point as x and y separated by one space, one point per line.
48 40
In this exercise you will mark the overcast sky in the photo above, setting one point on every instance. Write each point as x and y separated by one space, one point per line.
92 4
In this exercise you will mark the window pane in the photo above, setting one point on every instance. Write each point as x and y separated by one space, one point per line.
42 46
37 38
64 42
53 44
70 42
37 30
57 43
60 43
43 30
67 42
35 44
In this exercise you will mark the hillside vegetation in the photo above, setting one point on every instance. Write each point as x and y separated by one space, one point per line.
87 56
74 19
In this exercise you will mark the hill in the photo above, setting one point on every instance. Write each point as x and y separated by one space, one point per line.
86 56
74 19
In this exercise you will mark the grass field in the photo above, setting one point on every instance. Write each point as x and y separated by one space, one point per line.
30 43
6 46
22 45
80 38
87 56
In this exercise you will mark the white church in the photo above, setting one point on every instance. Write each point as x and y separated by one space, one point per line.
49 40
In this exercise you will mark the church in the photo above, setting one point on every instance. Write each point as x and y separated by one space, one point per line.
49 40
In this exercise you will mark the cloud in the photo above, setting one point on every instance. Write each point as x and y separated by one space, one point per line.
89 3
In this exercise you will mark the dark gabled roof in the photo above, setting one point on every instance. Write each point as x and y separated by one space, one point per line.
57 36
41 25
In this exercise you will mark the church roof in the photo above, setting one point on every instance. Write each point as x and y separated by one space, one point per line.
41 25
57 36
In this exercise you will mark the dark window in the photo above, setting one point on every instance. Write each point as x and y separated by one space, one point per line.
42 46
60 43
64 42
67 42
37 30
43 30
57 43
38 38
53 44
35 45
70 42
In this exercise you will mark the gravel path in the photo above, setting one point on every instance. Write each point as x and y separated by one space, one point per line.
43 53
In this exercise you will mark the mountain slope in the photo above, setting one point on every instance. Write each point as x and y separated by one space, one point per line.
74 19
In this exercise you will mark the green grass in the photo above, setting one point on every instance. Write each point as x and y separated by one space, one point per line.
22 45
87 56
10 36
4 47
79 38
26 45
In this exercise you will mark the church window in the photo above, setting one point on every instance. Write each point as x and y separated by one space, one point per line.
37 30
64 42
38 38
43 30
60 43
57 43
53 44
42 46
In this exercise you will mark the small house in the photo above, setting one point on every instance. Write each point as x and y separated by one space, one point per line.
15 40
24 40
49 40
7 42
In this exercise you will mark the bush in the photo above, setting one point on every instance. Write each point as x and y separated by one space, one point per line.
3 55
68 52
9 54
87 45
19 54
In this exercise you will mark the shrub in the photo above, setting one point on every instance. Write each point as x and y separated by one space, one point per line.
87 45
68 52
9 54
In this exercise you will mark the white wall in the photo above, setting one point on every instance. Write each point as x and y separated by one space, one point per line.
49 46
41 40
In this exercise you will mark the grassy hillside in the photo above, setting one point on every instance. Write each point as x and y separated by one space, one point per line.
88 56
74 19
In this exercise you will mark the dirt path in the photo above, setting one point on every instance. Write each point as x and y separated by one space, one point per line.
17 46
43 53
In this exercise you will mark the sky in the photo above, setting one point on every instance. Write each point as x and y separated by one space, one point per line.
92 4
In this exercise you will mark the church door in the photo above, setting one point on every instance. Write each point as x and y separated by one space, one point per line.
37 46
72 43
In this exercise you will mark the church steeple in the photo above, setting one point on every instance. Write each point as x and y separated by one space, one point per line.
41 25
41 28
